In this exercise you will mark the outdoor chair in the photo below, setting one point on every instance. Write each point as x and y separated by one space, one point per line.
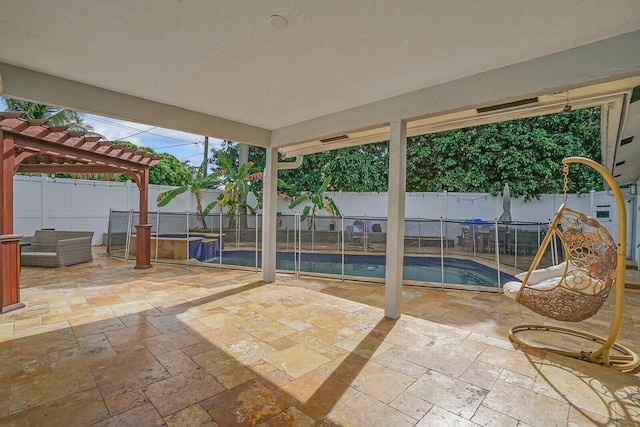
50 248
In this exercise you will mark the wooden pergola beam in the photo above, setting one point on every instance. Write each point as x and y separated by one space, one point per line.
30 147
76 168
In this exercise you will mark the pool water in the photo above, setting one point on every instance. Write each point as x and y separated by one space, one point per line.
422 269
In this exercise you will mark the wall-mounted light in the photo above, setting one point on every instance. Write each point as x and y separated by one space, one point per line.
633 189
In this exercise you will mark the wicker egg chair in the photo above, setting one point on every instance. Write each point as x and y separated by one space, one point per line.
583 288
594 265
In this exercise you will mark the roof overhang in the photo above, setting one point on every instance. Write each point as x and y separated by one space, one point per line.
622 157
328 72
612 96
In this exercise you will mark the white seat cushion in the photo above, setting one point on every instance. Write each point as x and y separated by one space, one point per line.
539 275
511 289
576 280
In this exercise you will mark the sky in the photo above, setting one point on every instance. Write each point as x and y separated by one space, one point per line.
184 146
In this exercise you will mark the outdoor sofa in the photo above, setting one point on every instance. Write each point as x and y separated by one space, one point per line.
50 248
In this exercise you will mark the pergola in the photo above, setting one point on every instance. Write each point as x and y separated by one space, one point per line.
298 78
29 146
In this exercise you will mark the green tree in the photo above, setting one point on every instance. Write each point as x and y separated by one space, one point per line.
359 169
197 183
168 171
526 154
319 201
56 116
238 183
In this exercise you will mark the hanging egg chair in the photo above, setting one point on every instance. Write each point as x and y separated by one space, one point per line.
589 270
577 288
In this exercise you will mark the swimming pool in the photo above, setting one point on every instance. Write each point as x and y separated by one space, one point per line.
419 269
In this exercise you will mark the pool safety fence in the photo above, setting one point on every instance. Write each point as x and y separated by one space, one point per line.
345 247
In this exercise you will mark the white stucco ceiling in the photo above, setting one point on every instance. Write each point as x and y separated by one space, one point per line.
224 69
225 59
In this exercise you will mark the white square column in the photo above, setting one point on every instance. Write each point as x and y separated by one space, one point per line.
395 222
269 215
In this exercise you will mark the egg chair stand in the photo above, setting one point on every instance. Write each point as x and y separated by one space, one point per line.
602 263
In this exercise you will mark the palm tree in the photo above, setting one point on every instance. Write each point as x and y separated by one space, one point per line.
238 184
319 201
199 182
57 116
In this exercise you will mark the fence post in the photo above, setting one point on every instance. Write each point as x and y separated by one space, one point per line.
157 233
497 249
109 231
342 242
366 236
441 253
299 245
287 230
188 245
295 244
256 246
473 235
515 251
128 241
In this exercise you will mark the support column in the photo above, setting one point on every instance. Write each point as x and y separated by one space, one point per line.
243 157
143 229
269 210
243 153
9 242
395 221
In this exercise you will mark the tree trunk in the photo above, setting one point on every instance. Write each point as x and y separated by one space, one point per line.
243 157
199 215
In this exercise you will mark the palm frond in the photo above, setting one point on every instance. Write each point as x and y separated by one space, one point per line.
305 213
209 207
253 177
298 200
165 197
225 162
325 185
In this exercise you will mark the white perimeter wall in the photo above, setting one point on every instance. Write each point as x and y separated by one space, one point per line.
82 205
69 204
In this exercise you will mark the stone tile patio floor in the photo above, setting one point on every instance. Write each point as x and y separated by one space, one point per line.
106 345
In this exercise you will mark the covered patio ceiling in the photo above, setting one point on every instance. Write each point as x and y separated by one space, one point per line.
290 74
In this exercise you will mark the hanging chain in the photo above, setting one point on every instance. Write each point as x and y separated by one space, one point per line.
565 172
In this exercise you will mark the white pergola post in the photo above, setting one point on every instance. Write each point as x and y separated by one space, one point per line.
269 210
395 222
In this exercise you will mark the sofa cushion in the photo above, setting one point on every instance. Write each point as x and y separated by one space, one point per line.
35 254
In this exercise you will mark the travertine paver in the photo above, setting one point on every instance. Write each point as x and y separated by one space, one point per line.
104 344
